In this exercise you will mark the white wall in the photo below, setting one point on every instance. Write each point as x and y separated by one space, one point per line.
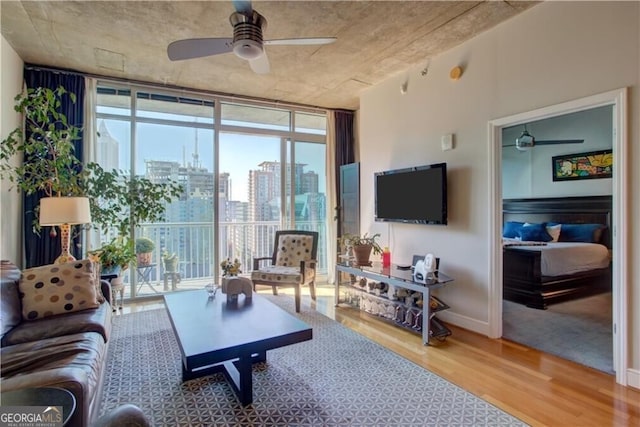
552 53
527 174
10 218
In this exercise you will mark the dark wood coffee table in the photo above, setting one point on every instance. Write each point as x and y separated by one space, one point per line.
216 336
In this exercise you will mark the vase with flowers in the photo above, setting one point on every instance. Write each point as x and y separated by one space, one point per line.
230 269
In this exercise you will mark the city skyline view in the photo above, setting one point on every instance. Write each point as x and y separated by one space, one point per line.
239 153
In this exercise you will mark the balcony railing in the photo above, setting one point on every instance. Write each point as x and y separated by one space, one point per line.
196 248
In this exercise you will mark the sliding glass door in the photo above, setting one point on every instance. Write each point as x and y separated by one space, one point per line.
246 170
250 195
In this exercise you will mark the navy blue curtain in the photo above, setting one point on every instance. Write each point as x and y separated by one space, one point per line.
345 150
44 249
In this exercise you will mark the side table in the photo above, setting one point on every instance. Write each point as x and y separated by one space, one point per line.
144 276
175 279
42 396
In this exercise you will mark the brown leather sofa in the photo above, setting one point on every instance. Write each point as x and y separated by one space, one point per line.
65 350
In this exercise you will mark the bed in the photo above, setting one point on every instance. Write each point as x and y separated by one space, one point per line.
538 273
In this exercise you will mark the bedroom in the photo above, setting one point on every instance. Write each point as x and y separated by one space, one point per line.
570 319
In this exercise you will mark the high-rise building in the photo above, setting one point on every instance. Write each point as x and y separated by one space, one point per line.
265 199
107 148
309 183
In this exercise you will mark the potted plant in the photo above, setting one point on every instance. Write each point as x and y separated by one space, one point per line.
118 201
144 249
169 261
122 202
115 256
50 163
362 246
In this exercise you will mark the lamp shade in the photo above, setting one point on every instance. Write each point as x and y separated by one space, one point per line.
64 210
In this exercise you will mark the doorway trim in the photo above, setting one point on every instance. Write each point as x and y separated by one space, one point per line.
618 100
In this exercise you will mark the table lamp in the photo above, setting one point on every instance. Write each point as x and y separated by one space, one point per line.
64 212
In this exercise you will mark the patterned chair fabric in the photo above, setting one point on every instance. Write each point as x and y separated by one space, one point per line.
292 249
281 274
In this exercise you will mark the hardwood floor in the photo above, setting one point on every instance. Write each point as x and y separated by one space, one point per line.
538 388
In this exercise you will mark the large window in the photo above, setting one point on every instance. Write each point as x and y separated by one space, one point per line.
262 169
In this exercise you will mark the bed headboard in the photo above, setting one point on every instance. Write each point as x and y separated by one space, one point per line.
568 210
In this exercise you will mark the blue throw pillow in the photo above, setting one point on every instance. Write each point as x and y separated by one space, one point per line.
511 229
588 233
535 233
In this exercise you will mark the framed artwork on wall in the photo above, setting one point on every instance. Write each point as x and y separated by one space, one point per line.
591 165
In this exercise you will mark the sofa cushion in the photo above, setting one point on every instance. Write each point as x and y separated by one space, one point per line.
97 320
58 288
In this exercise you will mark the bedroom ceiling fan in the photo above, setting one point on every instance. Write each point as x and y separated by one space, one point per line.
526 141
247 42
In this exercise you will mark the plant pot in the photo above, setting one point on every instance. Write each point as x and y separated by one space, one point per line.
144 258
112 269
362 254
170 266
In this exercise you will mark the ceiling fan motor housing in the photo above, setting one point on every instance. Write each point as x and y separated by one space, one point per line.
247 34
525 142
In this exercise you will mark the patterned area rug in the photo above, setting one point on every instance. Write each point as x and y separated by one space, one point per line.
339 378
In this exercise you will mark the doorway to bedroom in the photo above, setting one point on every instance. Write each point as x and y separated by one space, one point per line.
607 309
566 311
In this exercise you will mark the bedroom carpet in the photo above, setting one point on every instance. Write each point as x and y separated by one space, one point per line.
579 330
339 378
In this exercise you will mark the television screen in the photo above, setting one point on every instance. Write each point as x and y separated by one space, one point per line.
414 195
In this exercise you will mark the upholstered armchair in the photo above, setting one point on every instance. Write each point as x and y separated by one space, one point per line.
293 263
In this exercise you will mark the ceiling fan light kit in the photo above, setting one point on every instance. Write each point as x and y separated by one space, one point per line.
525 141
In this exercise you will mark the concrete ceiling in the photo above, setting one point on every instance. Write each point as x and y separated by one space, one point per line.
128 39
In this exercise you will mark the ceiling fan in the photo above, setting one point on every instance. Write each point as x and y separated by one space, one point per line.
246 43
526 141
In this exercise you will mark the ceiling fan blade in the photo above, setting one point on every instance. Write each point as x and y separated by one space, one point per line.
302 41
559 141
550 142
197 48
260 65
243 6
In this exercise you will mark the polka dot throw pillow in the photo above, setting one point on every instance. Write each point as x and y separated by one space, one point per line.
58 288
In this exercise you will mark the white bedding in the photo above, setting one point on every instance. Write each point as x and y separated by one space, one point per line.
561 258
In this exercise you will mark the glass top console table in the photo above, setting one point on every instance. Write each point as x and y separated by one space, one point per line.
392 294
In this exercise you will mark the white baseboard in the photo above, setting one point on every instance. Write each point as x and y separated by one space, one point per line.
465 322
633 378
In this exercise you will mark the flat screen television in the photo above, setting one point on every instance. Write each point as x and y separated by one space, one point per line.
416 195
